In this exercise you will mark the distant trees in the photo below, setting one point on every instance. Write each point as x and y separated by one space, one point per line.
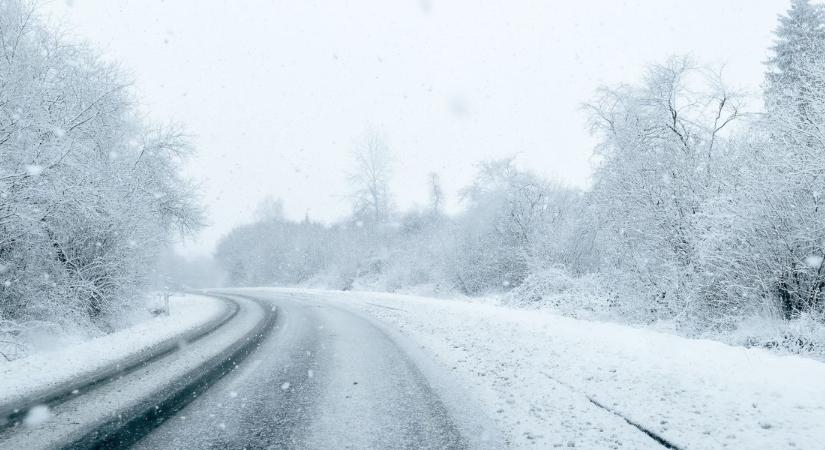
273 251
436 194
175 272
370 179
89 193
510 217
269 209
513 220
699 214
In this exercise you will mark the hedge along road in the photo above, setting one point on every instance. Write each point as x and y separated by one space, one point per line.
326 377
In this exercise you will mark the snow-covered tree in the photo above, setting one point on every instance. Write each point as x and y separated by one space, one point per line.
799 45
698 214
274 250
660 155
269 209
89 193
511 217
766 249
436 194
370 180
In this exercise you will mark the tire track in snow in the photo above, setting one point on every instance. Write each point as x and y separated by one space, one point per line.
652 434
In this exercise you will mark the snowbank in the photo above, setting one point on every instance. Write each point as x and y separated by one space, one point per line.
552 381
29 377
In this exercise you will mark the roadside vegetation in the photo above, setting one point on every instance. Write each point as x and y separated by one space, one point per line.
705 213
89 191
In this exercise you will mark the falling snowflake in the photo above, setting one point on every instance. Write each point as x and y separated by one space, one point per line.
814 261
34 170
37 415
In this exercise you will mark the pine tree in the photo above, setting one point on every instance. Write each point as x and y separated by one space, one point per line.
793 71
795 103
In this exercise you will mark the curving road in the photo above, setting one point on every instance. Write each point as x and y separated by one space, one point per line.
112 406
325 377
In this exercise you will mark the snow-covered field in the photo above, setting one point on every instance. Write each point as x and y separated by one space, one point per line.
27 377
543 377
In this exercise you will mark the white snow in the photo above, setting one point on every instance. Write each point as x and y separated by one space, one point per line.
91 408
25 377
814 261
34 170
536 373
37 415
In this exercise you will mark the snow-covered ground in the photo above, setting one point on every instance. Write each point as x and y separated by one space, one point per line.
551 381
27 377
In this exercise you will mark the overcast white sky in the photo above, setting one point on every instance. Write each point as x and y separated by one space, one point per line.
275 93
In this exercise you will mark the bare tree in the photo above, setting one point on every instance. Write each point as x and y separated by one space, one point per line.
436 194
370 179
269 209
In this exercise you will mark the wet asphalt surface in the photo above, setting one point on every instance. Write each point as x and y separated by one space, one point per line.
323 378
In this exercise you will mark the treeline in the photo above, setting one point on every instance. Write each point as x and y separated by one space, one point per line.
513 220
89 193
700 213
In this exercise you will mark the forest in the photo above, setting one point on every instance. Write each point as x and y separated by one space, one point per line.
421 224
705 214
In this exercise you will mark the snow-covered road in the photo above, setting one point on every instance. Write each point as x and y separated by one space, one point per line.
31 380
377 370
113 412
328 378
550 381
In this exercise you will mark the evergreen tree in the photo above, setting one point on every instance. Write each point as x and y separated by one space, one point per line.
793 71
795 160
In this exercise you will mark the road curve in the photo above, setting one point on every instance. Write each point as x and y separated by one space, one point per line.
325 377
108 413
